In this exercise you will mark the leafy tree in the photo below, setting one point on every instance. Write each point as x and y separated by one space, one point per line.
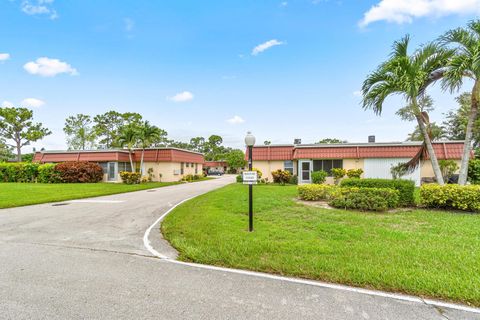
465 63
436 133
457 120
109 125
236 159
5 151
17 124
128 138
331 141
408 76
161 140
267 142
79 131
147 133
197 144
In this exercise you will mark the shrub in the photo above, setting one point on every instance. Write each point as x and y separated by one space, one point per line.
18 172
259 173
450 196
354 173
448 168
130 177
79 172
315 192
338 173
281 176
474 171
239 178
293 179
48 174
188 178
319 177
406 188
365 199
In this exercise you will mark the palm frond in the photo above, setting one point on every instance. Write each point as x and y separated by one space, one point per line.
400 47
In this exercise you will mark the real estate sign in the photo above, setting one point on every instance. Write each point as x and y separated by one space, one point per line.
250 177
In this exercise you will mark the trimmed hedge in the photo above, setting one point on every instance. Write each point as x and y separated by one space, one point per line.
18 172
48 174
315 192
365 199
406 188
450 196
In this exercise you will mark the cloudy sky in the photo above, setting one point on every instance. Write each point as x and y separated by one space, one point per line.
282 69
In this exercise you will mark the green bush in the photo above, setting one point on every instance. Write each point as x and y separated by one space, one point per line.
79 172
130 177
188 178
354 173
281 176
474 171
450 196
448 168
18 172
293 179
365 199
239 178
338 173
319 177
406 188
48 174
315 192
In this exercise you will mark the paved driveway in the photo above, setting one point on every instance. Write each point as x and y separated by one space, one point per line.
86 260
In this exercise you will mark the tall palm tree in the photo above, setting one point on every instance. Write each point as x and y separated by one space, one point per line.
408 76
465 63
128 138
147 133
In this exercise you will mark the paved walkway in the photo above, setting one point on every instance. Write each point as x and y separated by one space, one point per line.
87 260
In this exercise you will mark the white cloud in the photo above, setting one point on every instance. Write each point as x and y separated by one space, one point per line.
47 67
4 57
266 45
7 104
32 103
404 11
182 97
236 120
39 7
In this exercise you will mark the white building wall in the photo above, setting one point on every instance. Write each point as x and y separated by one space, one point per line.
380 168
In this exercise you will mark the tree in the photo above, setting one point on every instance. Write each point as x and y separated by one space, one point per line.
79 131
456 121
197 144
465 63
146 134
128 138
161 140
408 76
267 142
109 125
5 151
236 159
213 147
17 124
331 141
436 133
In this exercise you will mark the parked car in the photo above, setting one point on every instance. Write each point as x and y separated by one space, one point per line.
215 172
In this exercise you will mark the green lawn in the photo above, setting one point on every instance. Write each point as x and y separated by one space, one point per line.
22 194
428 253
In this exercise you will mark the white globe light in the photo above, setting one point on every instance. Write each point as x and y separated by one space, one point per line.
250 139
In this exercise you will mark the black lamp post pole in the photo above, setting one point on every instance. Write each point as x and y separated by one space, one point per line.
250 192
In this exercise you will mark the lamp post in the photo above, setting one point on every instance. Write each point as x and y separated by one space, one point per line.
250 142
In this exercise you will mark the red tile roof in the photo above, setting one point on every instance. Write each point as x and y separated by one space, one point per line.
443 150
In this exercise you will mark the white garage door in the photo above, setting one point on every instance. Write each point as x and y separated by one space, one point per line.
380 168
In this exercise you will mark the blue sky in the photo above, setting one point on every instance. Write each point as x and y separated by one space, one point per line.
191 67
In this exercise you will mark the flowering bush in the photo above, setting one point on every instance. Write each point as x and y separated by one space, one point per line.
354 173
315 192
130 177
450 196
281 176
338 173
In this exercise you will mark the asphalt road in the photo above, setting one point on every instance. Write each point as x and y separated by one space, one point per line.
87 260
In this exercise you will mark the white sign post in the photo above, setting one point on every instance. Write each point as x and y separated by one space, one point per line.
250 177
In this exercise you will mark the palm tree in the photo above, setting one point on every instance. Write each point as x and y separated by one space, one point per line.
146 135
408 76
465 63
128 138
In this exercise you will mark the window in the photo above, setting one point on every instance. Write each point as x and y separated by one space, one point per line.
196 168
104 167
182 165
288 166
327 165
124 166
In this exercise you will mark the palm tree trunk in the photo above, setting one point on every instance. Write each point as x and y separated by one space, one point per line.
431 151
131 161
467 146
141 162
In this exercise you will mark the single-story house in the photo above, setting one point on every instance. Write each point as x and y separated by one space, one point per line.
217 166
375 159
163 164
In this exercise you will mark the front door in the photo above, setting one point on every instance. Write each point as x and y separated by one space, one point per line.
305 170
112 174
